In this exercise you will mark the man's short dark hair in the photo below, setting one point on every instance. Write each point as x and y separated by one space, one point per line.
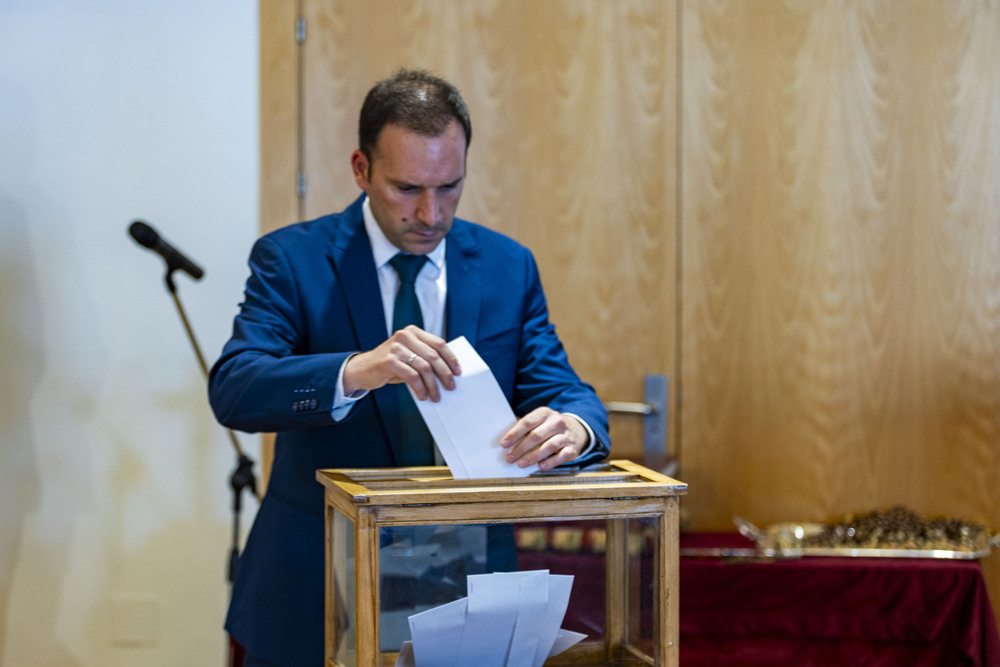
415 100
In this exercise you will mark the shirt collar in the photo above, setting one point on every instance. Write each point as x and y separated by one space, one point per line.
383 250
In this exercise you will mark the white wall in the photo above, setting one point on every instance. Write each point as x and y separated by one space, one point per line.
114 500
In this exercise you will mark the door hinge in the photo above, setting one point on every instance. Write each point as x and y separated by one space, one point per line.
300 184
300 30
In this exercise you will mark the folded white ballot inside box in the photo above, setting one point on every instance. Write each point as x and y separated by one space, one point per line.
508 619
469 421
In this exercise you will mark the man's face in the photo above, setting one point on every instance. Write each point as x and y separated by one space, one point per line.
414 184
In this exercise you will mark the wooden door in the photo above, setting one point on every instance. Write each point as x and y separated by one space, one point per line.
573 106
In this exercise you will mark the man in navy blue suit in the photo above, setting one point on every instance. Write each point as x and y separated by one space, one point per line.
314 357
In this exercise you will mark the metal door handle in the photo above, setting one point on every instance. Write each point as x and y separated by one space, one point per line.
623 407
654 414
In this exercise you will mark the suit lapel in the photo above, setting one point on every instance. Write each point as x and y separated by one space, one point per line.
465 284
351 259
352 262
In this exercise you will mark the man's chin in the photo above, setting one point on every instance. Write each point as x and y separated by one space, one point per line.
421 246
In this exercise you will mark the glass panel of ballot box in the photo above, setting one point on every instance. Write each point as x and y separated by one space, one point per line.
575 568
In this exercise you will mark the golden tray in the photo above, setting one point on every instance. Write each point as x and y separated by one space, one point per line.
795 540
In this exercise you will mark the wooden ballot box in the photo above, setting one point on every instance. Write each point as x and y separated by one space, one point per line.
403 540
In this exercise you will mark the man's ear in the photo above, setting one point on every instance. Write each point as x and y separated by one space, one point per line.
360 167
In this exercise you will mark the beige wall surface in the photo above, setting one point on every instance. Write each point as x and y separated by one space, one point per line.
114 497
791 208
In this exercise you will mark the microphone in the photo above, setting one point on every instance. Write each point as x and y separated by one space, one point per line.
147 236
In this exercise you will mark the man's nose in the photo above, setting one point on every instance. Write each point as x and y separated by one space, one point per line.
428 211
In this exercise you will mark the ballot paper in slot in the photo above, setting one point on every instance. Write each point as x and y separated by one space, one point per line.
508 619
469 421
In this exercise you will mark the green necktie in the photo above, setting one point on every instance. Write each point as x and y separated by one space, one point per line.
418 446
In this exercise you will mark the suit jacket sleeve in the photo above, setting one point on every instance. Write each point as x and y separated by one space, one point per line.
542 374
264 379
541 381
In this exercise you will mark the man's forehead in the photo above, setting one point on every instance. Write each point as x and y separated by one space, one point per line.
398 132
407 157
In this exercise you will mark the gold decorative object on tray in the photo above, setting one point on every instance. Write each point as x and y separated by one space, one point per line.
897 532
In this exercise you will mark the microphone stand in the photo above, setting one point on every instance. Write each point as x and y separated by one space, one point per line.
243 476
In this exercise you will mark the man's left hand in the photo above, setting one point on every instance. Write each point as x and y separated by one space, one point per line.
545 437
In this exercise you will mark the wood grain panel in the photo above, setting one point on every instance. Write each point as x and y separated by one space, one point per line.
841 231
279 145
572 152
279 114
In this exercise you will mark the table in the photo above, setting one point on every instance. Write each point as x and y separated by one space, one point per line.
811 611
832 611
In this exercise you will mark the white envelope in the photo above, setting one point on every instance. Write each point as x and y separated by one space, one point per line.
489 623
560 586
405 657
509 619
532 591
435 634
468 422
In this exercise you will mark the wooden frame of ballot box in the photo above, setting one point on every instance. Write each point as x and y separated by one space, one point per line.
617 492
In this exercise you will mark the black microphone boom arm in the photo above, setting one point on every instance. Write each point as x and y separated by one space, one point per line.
147 237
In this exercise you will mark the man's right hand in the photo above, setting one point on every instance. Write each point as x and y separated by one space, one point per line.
411 355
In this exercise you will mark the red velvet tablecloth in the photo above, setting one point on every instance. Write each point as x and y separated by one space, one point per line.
833 611
836 612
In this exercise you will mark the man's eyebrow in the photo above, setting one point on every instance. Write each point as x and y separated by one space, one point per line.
406 184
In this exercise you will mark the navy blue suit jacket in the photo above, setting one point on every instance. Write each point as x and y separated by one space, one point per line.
312 299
